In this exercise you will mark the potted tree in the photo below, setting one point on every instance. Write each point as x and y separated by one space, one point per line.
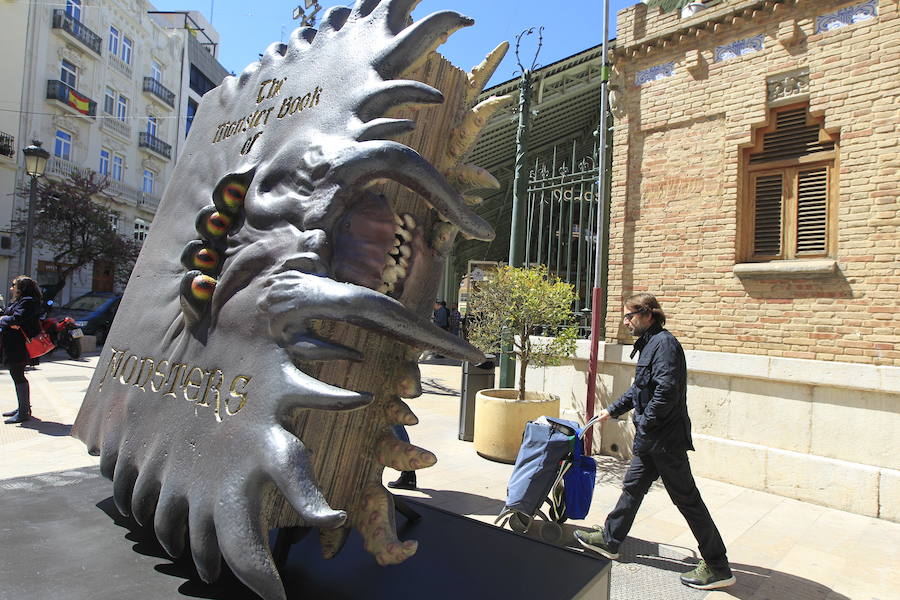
525 312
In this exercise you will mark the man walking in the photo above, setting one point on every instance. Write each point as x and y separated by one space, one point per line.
661 441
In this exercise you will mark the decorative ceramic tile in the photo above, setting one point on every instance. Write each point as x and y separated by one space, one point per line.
739 48
787 85
847 16
654 73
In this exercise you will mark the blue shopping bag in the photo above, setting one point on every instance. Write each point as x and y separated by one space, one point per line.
579 484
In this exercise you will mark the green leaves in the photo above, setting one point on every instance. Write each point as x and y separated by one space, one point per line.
71 223
518 305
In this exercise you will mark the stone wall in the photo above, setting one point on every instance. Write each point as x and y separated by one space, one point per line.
690 95
818 431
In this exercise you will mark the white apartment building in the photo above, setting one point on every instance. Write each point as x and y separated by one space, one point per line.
109 87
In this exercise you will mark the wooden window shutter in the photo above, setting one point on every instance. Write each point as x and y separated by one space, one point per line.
791 138
812 211
769 195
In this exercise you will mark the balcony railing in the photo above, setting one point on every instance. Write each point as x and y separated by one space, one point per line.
119 65
122 192
57 90
115 125
76 29
154 87
148 202
7 145
152 142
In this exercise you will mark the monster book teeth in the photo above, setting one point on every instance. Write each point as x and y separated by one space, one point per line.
257 364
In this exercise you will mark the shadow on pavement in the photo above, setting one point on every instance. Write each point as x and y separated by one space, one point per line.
642 561
460 503
51 428
611 471
432 386
227 587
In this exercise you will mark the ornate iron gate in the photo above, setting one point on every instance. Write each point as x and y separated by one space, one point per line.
562 200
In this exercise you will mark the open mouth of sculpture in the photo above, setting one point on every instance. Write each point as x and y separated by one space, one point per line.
375 247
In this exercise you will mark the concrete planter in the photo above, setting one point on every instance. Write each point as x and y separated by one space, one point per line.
500 420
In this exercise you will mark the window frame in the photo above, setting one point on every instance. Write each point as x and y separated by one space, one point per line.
790 169
156 71
68 71
113 41
152 179
109 100
105 159
127 49
62 147
141 229
118 167
152 125
122 108
73 9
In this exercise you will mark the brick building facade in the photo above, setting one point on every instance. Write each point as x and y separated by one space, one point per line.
756 150
812 274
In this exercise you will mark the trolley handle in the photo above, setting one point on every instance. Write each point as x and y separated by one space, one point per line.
588 425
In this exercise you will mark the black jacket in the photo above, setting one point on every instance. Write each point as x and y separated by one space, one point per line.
24 312
658 395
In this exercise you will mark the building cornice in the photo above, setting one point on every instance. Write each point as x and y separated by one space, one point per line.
713 20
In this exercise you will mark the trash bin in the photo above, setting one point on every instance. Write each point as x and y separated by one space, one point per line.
474 379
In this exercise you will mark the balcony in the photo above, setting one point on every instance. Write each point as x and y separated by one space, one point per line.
119 65
117 126
7 145
154 143
155 88
64 169
148 202
57 90
117 190
76 29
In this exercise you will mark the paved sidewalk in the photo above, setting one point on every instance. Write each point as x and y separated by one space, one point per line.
780 549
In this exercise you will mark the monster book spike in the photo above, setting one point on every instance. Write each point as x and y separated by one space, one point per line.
257 364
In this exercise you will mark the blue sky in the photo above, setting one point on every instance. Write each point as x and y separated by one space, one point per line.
247 28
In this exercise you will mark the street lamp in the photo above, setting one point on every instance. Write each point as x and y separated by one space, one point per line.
35 162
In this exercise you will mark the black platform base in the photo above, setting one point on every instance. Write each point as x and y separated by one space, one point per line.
61 537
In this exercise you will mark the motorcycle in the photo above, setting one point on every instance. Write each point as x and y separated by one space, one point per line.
64 333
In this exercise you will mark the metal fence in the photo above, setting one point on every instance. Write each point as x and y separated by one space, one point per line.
561 212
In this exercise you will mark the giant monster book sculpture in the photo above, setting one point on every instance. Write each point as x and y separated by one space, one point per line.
271 325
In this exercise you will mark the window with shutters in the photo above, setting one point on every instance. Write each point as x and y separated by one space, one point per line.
790 189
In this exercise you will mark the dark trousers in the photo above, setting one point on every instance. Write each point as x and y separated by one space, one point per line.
675 471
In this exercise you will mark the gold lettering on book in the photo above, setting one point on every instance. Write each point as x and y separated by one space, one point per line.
198 385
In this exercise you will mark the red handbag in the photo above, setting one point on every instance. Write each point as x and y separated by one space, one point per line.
39 345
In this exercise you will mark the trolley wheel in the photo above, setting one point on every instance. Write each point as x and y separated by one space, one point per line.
517 523
551 532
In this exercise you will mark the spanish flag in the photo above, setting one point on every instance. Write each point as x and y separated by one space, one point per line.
78 102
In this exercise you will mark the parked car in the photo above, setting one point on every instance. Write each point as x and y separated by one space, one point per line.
93 313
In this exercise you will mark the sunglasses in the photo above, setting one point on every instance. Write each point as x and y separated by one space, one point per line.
629 316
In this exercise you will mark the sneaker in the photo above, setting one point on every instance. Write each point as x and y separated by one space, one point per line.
705 578
594 540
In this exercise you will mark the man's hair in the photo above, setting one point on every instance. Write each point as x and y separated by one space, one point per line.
647 303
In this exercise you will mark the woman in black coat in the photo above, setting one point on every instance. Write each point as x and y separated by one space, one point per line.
21 315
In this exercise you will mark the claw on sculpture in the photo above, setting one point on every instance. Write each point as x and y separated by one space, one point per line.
397 412
398 455
375 523
256 365
482 72
463 137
